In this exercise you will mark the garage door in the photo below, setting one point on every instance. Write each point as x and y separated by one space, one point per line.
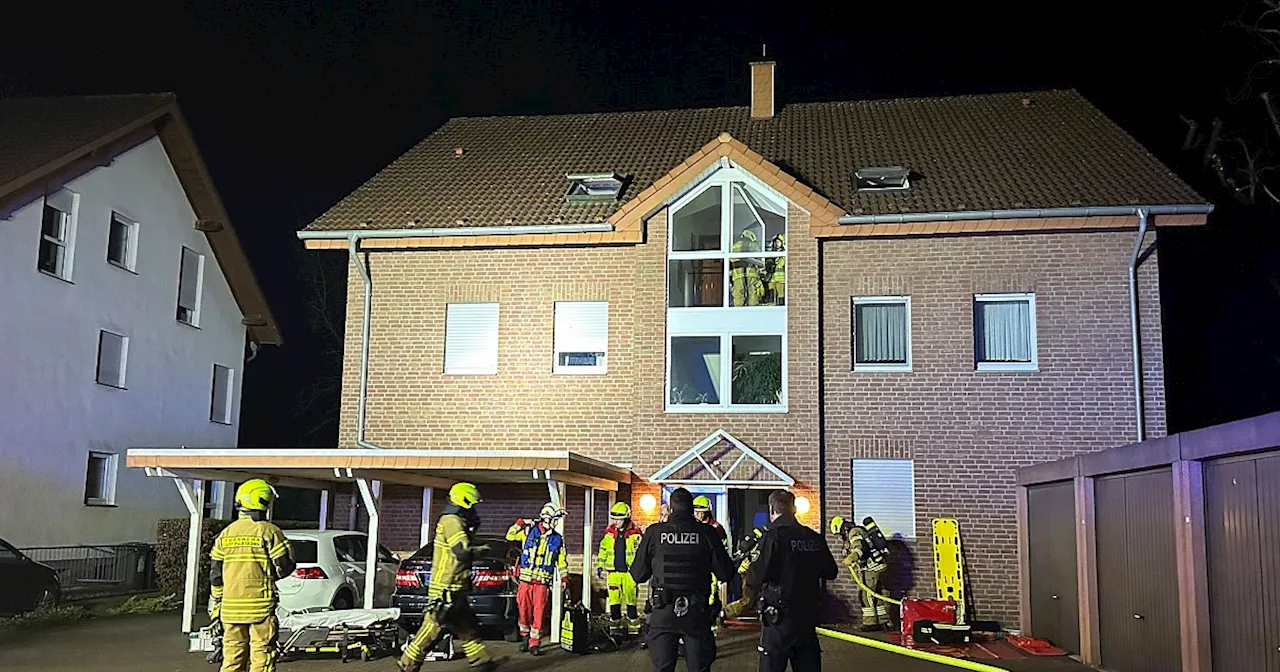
1242 521
1137 572
1051 541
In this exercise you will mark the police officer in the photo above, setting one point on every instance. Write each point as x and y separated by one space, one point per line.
680 555
793 559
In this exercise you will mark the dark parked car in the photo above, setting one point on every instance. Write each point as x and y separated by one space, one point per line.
24 583
493 594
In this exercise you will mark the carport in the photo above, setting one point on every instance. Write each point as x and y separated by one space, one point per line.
368 469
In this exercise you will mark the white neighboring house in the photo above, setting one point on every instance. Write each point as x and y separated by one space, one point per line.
126 303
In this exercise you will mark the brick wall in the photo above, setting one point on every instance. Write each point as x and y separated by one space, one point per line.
968 431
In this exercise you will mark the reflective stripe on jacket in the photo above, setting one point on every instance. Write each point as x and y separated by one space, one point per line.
631 539
541 553
249 555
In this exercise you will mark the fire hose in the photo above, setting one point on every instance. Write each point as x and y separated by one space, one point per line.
885 598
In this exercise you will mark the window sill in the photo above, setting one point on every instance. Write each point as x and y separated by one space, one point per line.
124 268
579 371
1007 367
100 503
711 408
109 385
227 423
189 325
55 276
470 373
882 368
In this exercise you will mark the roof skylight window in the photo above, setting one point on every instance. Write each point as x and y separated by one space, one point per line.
882 178
593 187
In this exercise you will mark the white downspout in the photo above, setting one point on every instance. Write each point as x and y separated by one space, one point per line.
1133 323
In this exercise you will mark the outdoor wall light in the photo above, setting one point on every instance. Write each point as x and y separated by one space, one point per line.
648 503
802 505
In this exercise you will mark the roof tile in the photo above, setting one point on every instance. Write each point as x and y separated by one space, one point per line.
966 152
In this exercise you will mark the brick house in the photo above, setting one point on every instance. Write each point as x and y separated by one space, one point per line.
956 304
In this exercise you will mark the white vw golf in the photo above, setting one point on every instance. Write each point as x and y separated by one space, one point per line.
331 571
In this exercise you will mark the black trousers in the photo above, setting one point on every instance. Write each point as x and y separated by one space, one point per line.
786 643
666 630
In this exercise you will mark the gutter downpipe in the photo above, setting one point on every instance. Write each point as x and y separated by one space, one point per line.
1133 324
1143 214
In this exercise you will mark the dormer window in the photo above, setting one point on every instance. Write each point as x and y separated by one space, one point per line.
593 187
882 178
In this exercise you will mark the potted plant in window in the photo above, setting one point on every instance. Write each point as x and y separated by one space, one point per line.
757 379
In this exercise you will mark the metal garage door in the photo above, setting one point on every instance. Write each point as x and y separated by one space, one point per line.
1137 573
1242 521
1051 540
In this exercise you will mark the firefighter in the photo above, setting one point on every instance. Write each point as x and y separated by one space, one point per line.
613 562
248 557
748 552
702 513
447 606
745 286
867 559
542 553
776 271
788 575
680 556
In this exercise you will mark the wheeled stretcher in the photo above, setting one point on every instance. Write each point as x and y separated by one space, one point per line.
362 633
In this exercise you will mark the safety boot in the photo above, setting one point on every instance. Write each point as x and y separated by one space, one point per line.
409 667
535 650
524 646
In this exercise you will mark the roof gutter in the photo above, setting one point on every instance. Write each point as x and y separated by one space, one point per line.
353 239
1027 213
454 231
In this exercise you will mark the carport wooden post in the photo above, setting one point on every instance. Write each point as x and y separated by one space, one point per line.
370 494
424 533
1087 570
324 510
193 496
589 508
557 491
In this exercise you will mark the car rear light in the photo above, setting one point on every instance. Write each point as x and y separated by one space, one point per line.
407 579
490 578
309 573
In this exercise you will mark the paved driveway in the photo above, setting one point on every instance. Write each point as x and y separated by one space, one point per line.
153 644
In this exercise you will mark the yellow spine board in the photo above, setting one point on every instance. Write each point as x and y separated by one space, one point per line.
948 564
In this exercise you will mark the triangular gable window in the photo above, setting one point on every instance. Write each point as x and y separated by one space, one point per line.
722 460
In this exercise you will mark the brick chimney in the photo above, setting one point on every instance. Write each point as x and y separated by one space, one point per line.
762 102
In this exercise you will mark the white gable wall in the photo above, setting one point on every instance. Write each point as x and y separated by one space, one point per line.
52 412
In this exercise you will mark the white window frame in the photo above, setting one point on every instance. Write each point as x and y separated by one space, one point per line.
1034 364
109 475
853 497
230 395
124 361
725 321
67 242
195 310
130 261
853 320
489 369
602 364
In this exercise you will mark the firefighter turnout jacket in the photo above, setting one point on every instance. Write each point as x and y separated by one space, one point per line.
792 561
541 552
681 555
608 558
451 553
247 559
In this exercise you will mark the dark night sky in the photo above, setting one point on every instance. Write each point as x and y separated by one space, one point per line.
295 105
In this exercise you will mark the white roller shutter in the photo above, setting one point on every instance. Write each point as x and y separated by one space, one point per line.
471 339
885 490
581 336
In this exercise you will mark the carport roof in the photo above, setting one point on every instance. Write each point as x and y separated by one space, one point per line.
323 467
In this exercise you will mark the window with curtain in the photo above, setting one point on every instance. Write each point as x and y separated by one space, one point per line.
1005 332
882 333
